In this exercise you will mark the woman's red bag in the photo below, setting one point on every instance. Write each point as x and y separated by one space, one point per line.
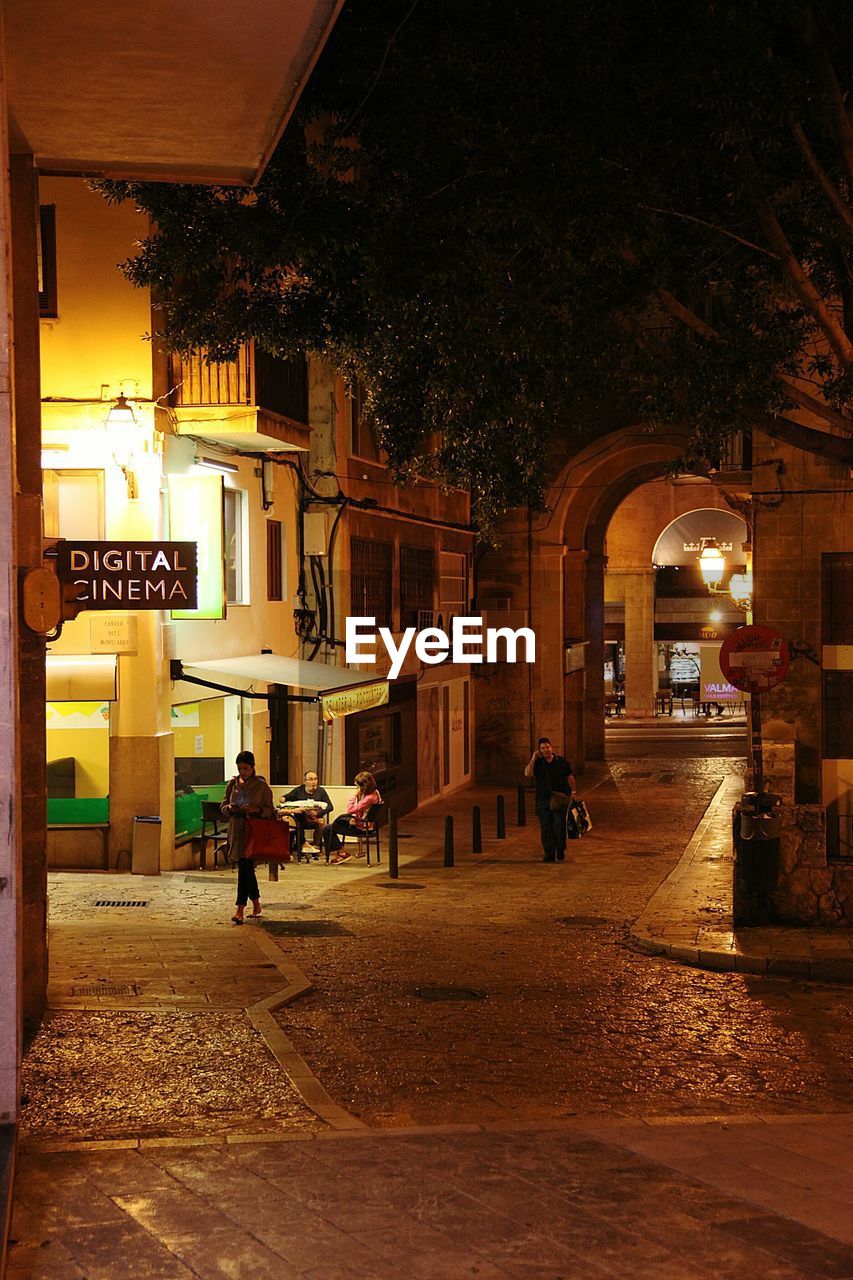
267 840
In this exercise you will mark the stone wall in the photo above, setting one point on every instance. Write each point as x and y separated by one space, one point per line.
809 890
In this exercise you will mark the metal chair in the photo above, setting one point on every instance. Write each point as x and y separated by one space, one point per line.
369 835
213 815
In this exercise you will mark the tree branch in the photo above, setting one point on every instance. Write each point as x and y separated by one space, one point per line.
722 231
806 438
830 190
839 116
795 393
819 408
801 284
686 316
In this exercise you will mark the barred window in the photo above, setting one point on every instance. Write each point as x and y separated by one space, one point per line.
417 574
370 580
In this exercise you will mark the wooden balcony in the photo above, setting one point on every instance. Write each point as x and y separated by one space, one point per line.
274 393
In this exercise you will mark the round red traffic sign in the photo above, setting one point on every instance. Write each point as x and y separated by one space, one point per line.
755 659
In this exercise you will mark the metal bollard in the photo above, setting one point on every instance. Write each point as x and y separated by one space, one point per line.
501 817
476 830
522 812
393 861
448 841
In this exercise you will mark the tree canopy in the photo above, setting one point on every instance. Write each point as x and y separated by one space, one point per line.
509 219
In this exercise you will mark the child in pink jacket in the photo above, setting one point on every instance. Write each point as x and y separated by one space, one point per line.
355 818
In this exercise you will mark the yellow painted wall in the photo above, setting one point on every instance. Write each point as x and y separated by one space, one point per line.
102 318
211 726
91 750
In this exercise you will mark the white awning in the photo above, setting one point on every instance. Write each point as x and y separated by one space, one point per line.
272 668
81 678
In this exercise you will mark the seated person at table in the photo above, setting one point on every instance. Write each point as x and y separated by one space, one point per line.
314 818
355 818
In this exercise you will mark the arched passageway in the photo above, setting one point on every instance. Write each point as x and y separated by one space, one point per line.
549 574
662 629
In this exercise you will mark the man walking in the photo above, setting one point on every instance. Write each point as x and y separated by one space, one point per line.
555 783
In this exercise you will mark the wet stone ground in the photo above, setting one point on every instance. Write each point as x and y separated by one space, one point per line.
112 1074
567 1019
570 1020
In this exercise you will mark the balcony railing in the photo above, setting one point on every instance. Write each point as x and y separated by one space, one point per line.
253 378
735 454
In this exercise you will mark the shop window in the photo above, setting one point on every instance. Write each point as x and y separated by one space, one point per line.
275 563
837 597
417 573
236 574
362 437
46 250
379 743
78 761
74 505
370 580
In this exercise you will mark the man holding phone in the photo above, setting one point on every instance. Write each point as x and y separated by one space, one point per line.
555 784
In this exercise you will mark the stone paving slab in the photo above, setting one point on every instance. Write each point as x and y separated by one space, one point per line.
707 1201
689 917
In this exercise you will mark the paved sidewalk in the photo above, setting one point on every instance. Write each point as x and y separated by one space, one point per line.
709 1201
689 918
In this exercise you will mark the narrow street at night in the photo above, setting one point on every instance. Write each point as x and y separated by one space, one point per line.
426 640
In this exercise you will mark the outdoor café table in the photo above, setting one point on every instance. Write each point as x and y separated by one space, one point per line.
297 809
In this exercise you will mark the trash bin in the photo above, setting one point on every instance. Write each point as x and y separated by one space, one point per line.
145 857
757 827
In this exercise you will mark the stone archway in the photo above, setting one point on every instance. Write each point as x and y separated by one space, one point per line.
548 573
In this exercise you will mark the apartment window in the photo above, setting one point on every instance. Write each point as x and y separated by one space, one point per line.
275 564
837 597
362 437
370 580
417 573
236 575
74 505
452 583
46 250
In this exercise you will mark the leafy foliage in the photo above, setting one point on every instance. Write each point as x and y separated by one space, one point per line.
513 221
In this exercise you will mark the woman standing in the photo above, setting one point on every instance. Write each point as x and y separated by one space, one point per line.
246 796
355 818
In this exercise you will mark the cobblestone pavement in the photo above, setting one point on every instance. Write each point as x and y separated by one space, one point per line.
607 1112
567 1019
